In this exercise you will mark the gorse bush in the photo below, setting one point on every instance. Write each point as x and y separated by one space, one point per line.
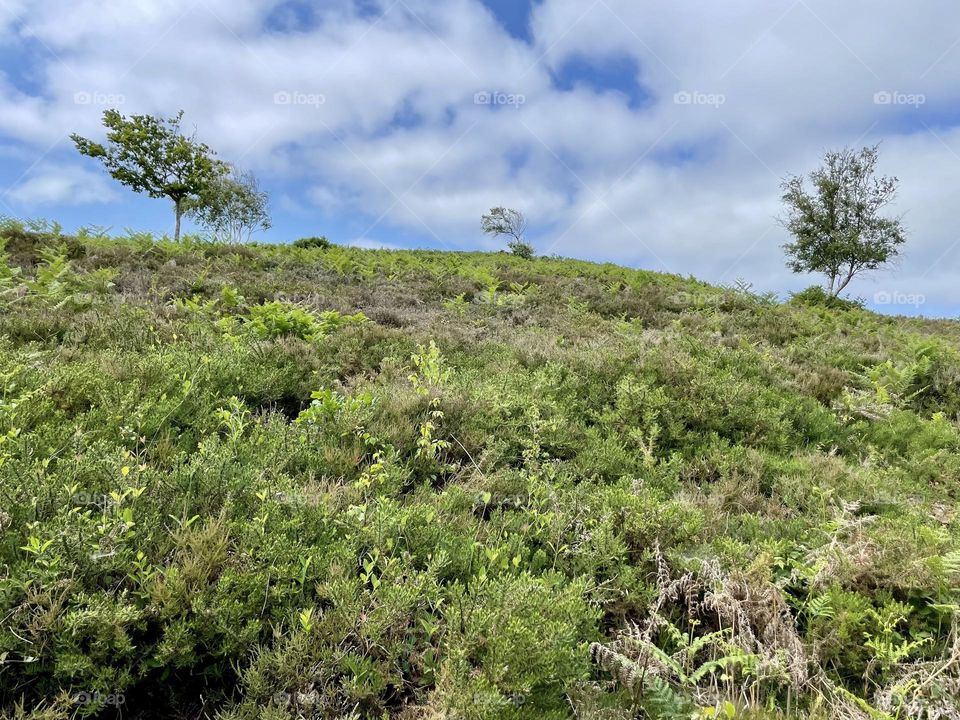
258 481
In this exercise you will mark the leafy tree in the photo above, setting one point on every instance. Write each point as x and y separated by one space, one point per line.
150 154
506 221
232 206
838 228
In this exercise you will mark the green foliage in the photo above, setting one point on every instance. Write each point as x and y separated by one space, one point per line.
512 223
521 249
328 406
151 155
431 371
320 242
223 490
8 274
816 296
279 319
57 283
838 229
231 206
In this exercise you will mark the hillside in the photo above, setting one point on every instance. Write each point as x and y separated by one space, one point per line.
267 481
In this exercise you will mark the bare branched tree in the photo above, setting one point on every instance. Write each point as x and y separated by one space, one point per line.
506 221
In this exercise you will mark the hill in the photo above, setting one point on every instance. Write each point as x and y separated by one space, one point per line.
279 482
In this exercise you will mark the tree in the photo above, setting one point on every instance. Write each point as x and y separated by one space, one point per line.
505 221
838 228
231 206
151 155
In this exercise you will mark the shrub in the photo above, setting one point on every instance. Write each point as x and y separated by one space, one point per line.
277 319
521 249
521 648
224 483
816 296
320 242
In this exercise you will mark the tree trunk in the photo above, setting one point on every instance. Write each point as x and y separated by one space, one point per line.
843 284
178 209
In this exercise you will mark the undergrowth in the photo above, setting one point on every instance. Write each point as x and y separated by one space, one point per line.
316 481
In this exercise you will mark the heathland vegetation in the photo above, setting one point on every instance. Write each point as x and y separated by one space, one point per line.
282 481
241 480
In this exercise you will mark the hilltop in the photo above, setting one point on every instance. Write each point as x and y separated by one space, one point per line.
244 481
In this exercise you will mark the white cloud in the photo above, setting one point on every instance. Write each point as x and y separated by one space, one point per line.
62 185
397 136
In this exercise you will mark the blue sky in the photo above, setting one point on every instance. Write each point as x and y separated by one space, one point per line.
647 133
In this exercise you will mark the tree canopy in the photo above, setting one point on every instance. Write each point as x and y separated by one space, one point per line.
838 228
151 155
510 222
233 207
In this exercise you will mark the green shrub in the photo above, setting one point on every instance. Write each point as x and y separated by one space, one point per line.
320 242
219 481
279 319
816 296
521 249
520 647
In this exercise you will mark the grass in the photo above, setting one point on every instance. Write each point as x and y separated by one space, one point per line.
280 482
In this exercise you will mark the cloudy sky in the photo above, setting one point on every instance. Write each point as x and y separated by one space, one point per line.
652 134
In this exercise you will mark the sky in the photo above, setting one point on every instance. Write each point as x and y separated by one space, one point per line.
650 134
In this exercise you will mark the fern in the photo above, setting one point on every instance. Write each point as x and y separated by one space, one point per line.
820 607
661 701
655 695
951 565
